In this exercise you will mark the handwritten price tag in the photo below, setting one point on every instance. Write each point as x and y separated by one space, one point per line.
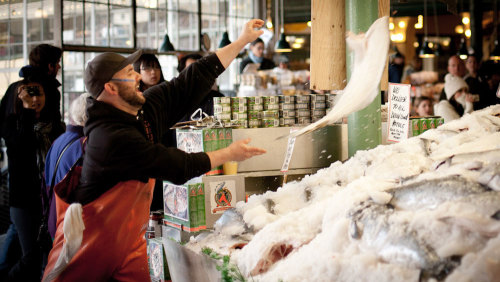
398 112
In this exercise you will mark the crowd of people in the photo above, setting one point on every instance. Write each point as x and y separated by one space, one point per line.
468 85
115 136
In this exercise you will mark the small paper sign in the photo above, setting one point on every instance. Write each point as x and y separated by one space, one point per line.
289 152
398 112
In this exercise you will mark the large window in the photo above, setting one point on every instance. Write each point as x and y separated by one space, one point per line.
92 26
14 42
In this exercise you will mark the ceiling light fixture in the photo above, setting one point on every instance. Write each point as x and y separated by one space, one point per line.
282 45
425 51
225 36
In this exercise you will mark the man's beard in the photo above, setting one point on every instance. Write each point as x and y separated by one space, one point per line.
130 96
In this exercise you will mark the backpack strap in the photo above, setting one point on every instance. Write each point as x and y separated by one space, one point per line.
51 188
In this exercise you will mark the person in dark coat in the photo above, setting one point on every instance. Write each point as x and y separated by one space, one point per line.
256 56
207 105
122 158
28 136
45 59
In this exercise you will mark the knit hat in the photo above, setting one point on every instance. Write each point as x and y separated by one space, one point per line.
452 84
102 68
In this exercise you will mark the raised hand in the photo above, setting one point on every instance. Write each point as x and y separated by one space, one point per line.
250 30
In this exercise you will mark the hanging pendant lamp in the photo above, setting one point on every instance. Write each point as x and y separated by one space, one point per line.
225 40
282 45
166 46
462 52
225 36
495 54
426 51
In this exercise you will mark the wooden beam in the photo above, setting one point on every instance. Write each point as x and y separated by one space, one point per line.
328 55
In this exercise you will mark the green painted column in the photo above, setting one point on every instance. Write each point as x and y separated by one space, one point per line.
364 127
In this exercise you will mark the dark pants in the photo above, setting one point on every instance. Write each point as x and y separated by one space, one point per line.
27 224
10 252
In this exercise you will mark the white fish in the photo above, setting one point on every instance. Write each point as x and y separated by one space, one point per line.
369 62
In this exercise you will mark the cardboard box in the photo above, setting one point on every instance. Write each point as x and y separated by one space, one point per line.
157 260
222 192
176 214
200 197
180 206
199 140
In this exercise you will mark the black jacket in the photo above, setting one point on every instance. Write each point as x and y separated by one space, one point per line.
118 148
265 65
17 129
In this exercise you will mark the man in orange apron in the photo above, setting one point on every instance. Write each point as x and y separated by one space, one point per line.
102 220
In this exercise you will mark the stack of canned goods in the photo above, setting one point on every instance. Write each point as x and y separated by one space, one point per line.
329 99
255 108
222 108
286 110
318 106
239 111
302 109
420 125
270 115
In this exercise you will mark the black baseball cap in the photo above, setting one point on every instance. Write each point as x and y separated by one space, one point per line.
102 68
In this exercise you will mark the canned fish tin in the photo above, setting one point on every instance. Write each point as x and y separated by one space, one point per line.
252 115
303 120
286 99
318 105
287 121
286 107
330 97
254 100
318 98
270 122
239 107
318 112
422 125
301 106
222 100
434 122
222 108
287 113
240 123
429 123
415 126
223 116
271 99
255 107
239 100
440 121
240 116
254 123
315 119
302 98
270 114
271 106
303 113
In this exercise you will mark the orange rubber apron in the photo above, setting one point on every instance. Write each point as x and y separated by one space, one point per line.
113 245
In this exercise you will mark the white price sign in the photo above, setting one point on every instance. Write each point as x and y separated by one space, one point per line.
398 112
289 152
